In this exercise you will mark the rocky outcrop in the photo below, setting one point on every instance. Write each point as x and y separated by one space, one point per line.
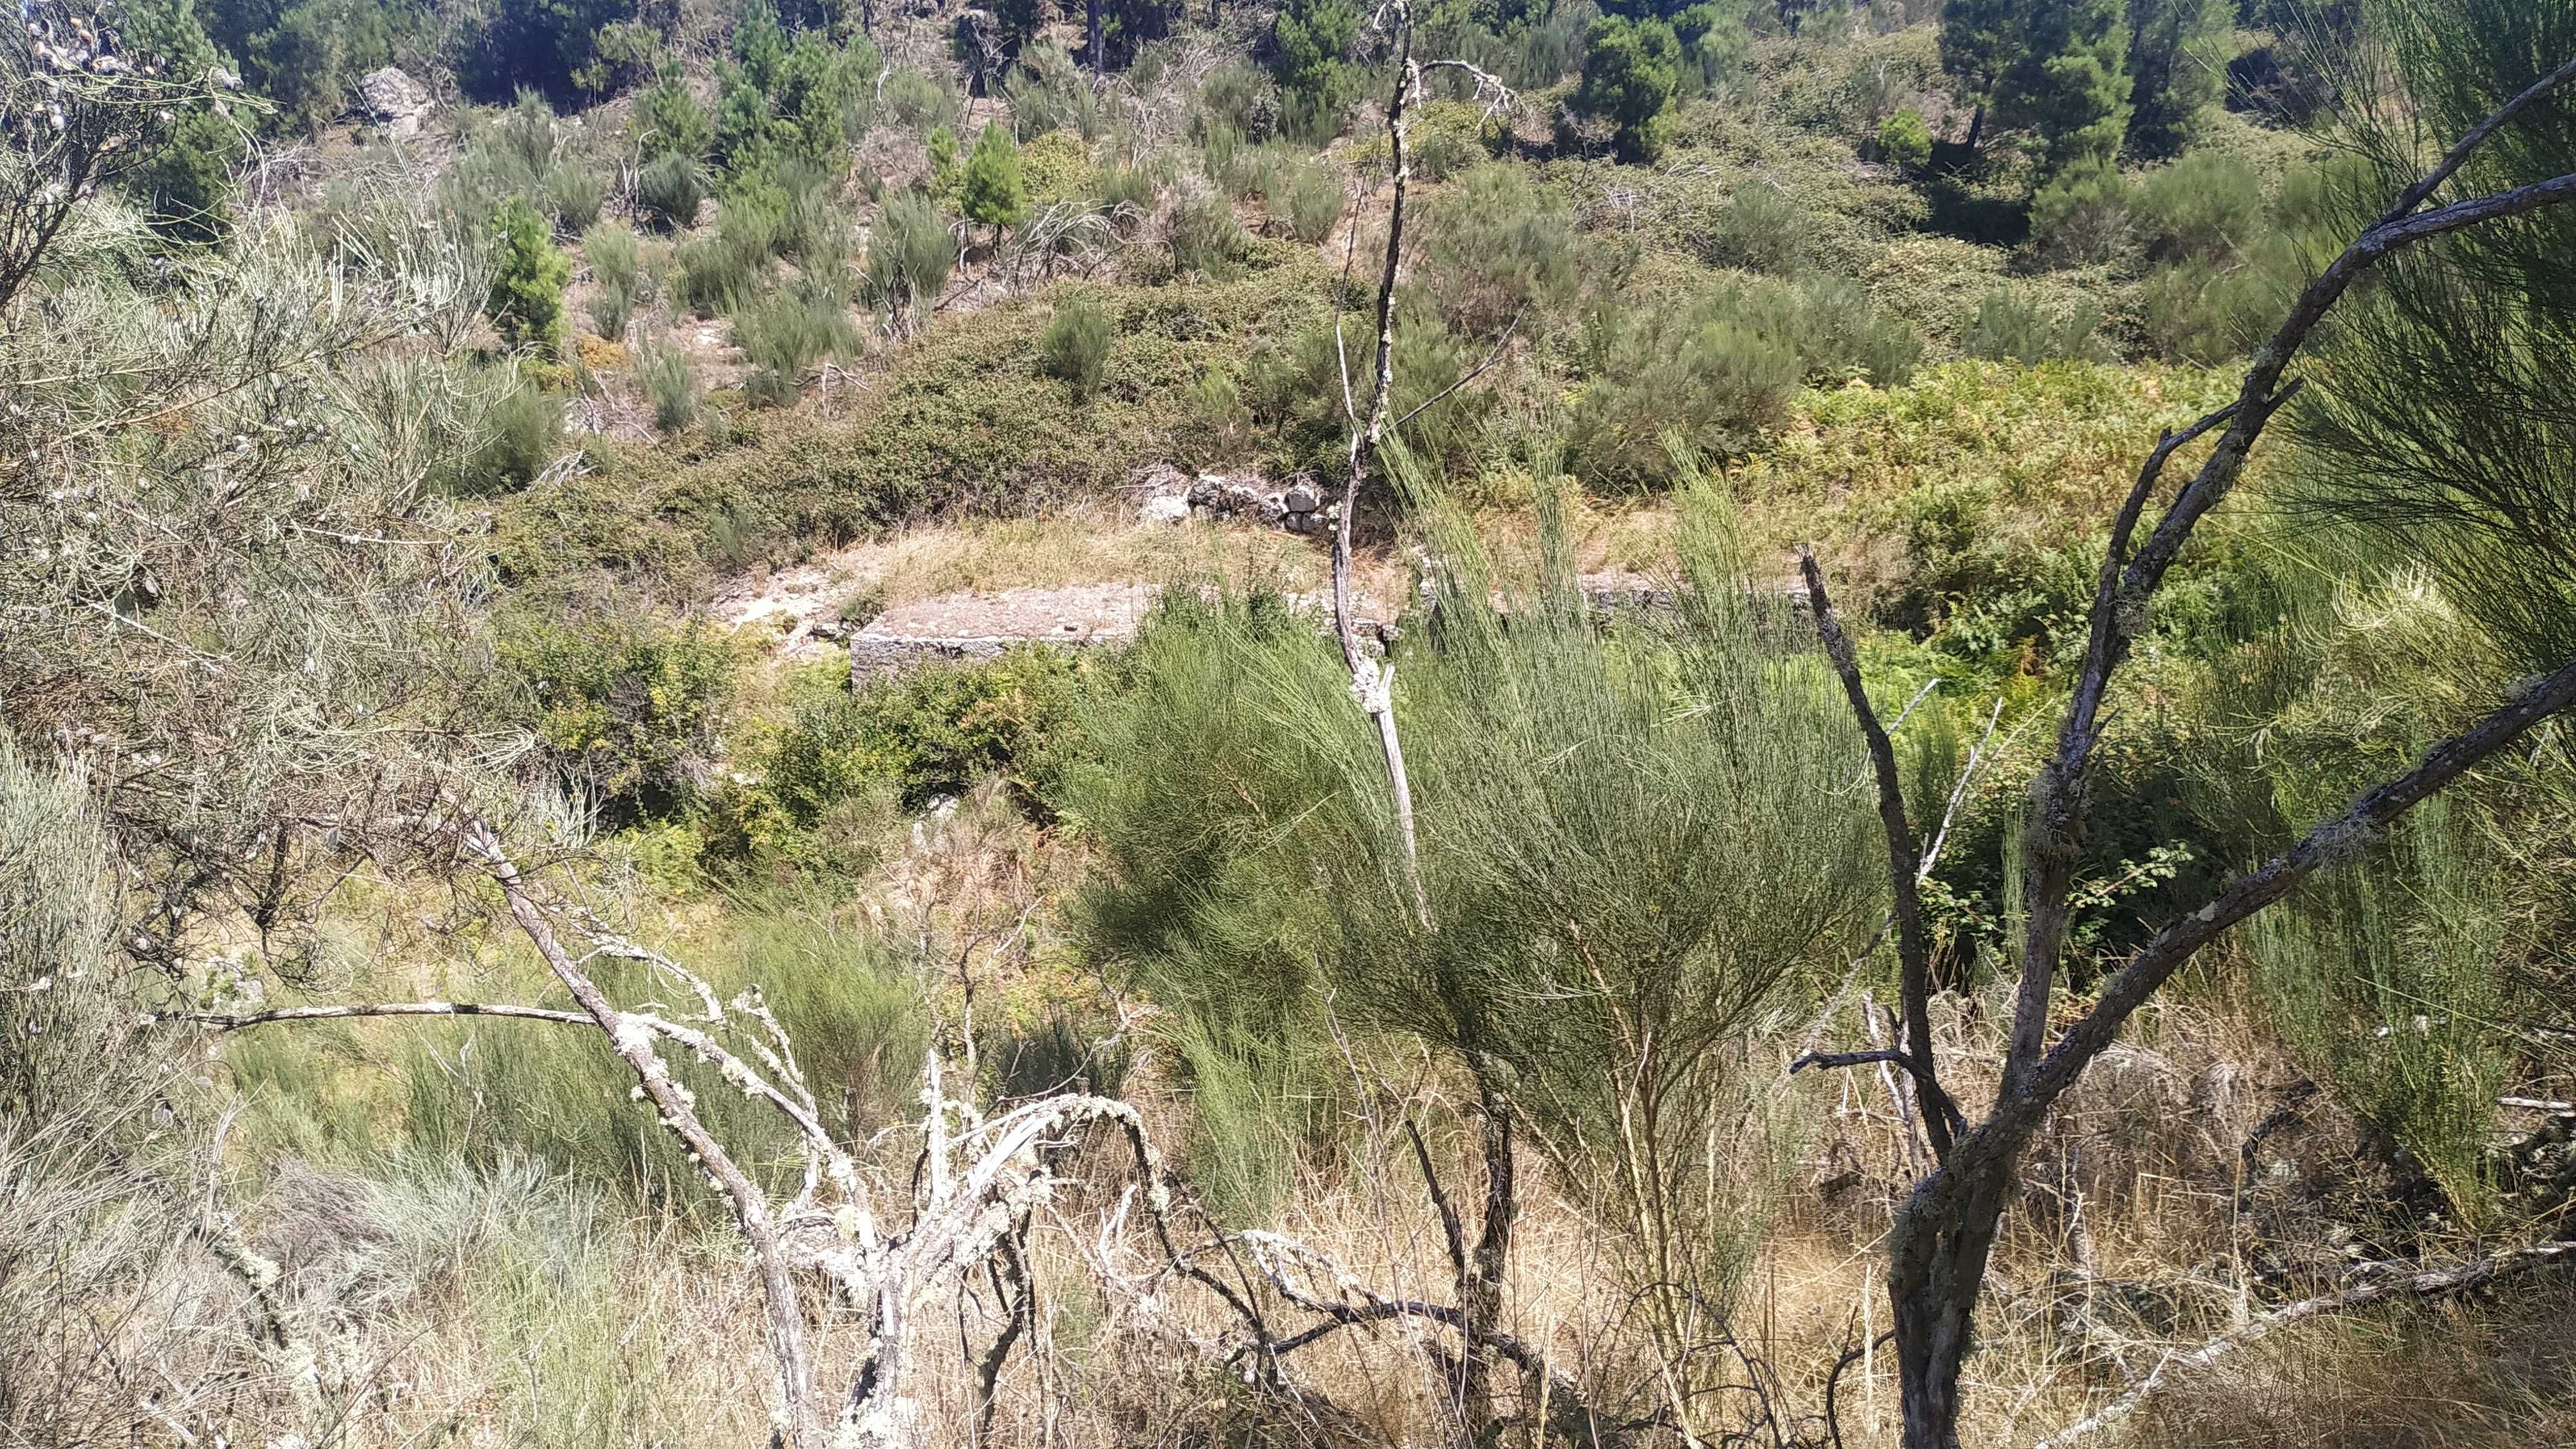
983 626
395 102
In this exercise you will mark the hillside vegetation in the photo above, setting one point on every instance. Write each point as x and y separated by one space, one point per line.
1851 727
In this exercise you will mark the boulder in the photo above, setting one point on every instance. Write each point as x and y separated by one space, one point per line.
394 101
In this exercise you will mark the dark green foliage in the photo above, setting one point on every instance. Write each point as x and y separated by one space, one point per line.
2068 81
1075 346
1905 140
2178 54
2083 214
2444 420
781 101
993 191
527 304
625 708
670 189
2011 328
1715 46
540 45
306 56
1310 41
187 187
1979 40
1240 98
670 121
1631 68
1498 248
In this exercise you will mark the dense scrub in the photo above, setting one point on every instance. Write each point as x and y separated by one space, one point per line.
370 510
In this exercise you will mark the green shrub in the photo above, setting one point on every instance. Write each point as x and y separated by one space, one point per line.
617 270
921 105
1075 346
526 302
2012 328
517 438
1497 248
931 732
1308 197
575 191
1299 389
2083 215
1631 68
1240 98
1679 824
624 707
671 381
1905 140
1206 240
1048 93
670 121
671 189
2196 311
2206 207
942 146
993 192
785 334
1719 373
1759 229
910 253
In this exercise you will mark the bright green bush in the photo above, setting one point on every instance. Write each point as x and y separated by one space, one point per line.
1075 346
625 707
670 121
993 192
526 302
1905 140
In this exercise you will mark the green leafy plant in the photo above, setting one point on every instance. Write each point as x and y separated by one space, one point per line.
1631 69
993 193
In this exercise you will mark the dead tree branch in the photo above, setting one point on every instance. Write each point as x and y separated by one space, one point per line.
2384 1284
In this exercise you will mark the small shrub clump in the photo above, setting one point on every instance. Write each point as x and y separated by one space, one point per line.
1075 346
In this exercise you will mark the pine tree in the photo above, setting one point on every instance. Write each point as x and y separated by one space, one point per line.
2177 65
1979 40
1630 70
2068 80
994 193
528 286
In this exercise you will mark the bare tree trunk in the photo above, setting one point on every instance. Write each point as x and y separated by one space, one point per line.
1945 1232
